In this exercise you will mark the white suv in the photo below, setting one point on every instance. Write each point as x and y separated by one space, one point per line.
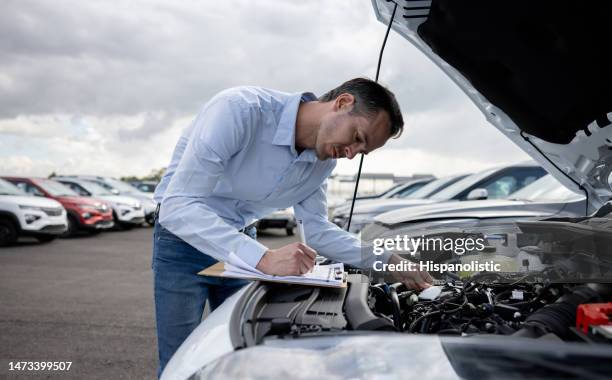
25 215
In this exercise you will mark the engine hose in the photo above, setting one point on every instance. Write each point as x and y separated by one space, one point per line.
397 310
416 322
458 308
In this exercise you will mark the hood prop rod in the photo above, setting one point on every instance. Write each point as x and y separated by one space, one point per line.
382 49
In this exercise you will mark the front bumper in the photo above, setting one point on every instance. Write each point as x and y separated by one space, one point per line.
94 220
100 225
50 229
137 220
44 224
130 215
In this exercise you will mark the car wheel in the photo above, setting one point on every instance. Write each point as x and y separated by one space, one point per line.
73 227
8 233
150 220
46 238
289 231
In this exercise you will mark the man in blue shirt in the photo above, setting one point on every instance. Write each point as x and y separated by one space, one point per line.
251 151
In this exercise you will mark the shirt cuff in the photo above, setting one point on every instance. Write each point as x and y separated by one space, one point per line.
251 251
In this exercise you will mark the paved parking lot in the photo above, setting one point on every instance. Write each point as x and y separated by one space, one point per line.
88 300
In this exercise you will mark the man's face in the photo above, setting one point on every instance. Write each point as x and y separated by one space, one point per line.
344 135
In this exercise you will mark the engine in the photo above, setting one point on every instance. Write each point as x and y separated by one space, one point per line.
535 310
467 308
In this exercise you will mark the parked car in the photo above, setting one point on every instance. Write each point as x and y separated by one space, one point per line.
400 190
145 186
495 183
340 215
544 198
118 187
83 213
24 215
127 211
284 219
541 76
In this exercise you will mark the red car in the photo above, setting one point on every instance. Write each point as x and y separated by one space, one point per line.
84 213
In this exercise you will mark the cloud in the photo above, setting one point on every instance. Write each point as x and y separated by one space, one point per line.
106 87
153 123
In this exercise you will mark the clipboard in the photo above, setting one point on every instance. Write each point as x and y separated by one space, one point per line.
217 270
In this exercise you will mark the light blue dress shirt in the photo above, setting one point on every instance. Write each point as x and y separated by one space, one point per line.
237 163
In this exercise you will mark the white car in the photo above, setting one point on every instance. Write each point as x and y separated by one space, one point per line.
24 215
118 187
540 73
127 211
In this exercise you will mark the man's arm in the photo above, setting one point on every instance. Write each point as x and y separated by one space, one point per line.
335 243
329 239
220 131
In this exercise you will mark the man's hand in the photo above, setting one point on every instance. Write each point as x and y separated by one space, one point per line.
412 279
291 260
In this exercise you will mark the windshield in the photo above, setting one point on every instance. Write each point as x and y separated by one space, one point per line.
55 188
544 189
459 186
7 188
94 188
405 190
433 187
392 190
120 185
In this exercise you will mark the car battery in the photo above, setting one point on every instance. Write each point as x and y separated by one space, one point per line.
591 315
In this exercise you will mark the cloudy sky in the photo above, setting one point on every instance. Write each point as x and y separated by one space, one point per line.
105 87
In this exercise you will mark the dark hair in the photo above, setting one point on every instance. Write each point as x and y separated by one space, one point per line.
370 98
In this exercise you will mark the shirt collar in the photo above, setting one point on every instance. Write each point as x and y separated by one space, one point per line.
285 133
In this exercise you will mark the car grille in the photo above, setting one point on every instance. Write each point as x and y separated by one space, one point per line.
52 211
54 229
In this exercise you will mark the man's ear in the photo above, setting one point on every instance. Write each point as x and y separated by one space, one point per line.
344 101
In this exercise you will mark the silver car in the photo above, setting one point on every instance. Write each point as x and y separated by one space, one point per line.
543 198
495 183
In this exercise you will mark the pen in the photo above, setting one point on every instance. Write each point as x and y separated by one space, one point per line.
300 224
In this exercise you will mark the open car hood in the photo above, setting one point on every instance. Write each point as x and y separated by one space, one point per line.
539 74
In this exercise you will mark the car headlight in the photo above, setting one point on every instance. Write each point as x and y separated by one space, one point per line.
26 207
128 205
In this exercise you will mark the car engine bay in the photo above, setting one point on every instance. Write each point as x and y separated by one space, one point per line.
567 299
534 310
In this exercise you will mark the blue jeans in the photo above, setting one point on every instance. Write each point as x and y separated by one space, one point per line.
180 293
